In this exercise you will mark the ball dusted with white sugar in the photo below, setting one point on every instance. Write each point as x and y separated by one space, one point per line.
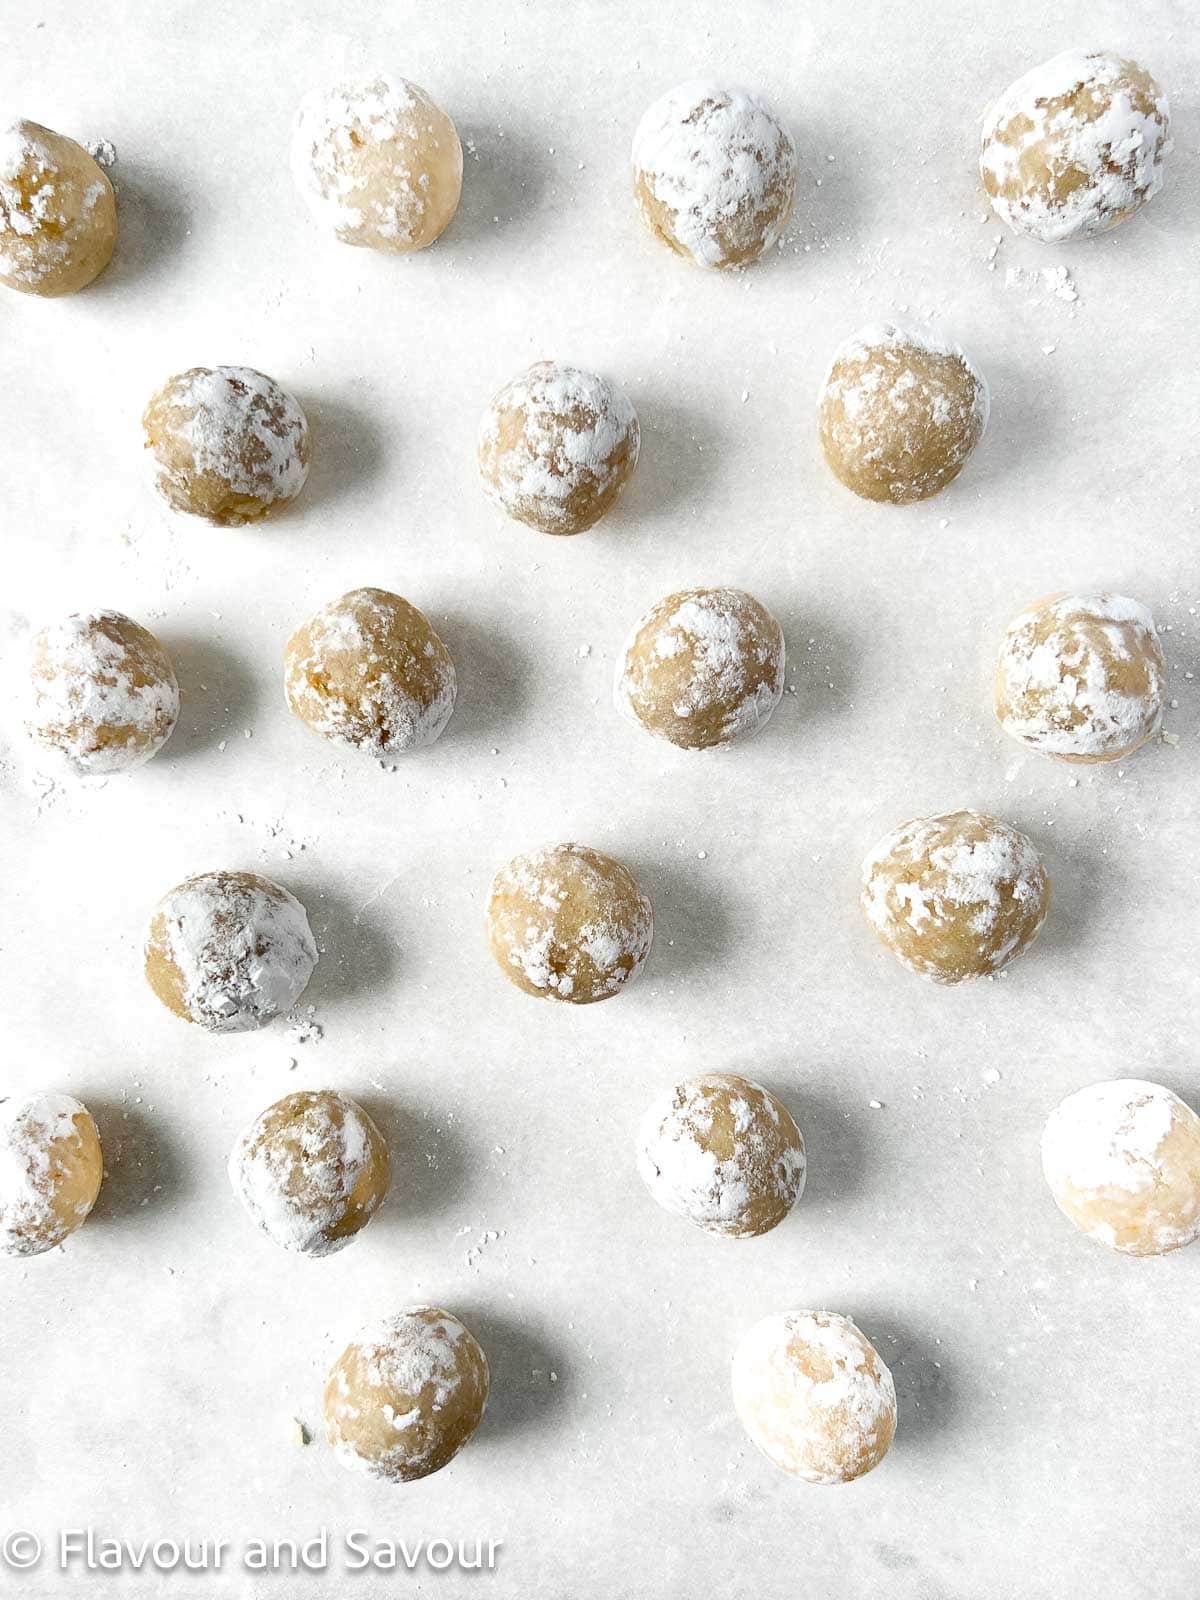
58 212
51 1169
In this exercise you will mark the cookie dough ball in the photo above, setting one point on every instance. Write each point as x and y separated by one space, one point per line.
228 444
377 163
368 671
957 896
1123 1163
813 1394
724 1153
404 1398
58 212
568 923
102 693
229 951
899 413
311 1170
50 1171
1081 677
714 174
556 447
702 668
1075 146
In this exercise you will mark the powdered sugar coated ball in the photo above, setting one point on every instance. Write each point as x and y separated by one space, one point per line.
50 1171
58 212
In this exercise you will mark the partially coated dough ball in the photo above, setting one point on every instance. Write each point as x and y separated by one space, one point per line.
703 667
723 1152
50 1171
957 896
556 447
1075 146
58 212
568 923
404 1398
229 951
814 1396
102 693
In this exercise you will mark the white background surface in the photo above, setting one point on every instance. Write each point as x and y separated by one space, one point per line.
1049 1400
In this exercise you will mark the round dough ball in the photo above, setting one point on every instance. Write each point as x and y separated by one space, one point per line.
229 444
957 896
404 1398
723 1152
568 923
702 668
1075 146
377 163
556 447
714 174
58 212
899 413
50 1171
1123 1163
814 1396
311 1171
229 951
102 693
1081 677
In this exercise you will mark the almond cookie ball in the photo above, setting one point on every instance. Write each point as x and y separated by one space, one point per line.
568 923
50 1171
556 447
377 163
714 174
1081 677
702 668
1123 1163
102 693
724 1153
814 1396
404 1398
957 896
1075 146
58 212
229 951
228 444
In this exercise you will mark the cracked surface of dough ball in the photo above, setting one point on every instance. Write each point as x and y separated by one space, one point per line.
723 1152
58 212
714 174
50 1171
229 951
228 444
404 1398
814 1396
957 896
702 668
377 163
1081 677
102 693
1123 1163
568 923
1075 146
556 447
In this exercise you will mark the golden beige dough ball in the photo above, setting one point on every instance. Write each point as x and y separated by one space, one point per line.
58 212
714 174
723 1152
1123 1163
50 1171
1081 677
228 444
377 163
957 896
229 951
702 668
1075 146
814 1396
568 923
102 695
404 1398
